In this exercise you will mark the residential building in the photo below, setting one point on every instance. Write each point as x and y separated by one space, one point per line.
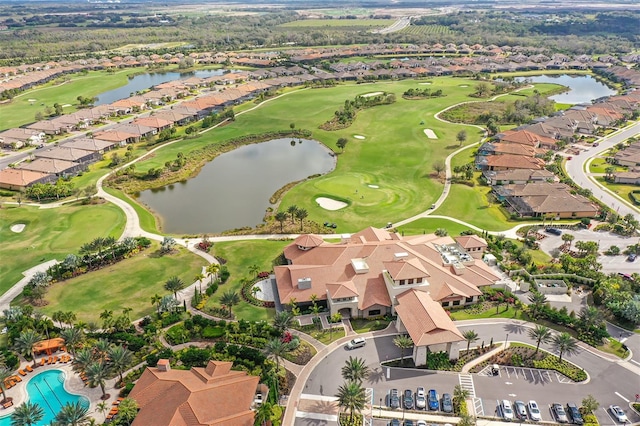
19 179
57 167
63 152
504 177
632 178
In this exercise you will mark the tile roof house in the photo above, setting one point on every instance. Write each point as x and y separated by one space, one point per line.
60 168
69 154
363 274
505 177
632 178
509 162
629 156
210 396
527 137
18 179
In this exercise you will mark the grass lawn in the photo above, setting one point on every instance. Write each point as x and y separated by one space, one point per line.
327 337
600 165
620 189
21 111
338 23
147 220
509 312
429 225
129 283
538 256
241 255
51 234
472 205
613 347
364 326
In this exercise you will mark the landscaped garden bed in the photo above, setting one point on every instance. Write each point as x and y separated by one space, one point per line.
361 325
440 360
519 355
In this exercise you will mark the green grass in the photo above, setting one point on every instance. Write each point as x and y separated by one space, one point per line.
241 255
338 23
620 189
613 347
325 337
429 225
50 234
147 220
510 312
538 256
130 283
20 111
364 326
600 165
472 206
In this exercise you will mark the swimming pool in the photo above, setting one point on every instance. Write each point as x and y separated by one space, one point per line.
47 390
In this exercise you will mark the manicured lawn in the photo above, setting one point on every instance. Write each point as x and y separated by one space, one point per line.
510 312
327 337
364 326
538 256
613 347
241 255
472 205
620 189
429 225
21 111
129 283
600 165
50 234
147 219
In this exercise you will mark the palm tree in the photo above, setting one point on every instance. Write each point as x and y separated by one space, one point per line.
72 338
127 410
199 278
73 414
467 420
282 321
254 269
119 359
101 349
568 238
564 344
292 211
263 413
301 214
174 285
103 407
5 373
97 375
460 394
58 316
538 301
540 334
281 217
229 299
212 269
107 318
27 414
403 342
275 349
82 359
155 300
470 336
352 398
25 342
355 370
590 317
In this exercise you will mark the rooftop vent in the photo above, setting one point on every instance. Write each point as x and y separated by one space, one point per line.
360 266
401 256
304 283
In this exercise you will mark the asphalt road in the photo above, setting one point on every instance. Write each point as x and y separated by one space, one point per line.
575 169
610 382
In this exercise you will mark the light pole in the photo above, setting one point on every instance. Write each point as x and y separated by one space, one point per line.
380 407
506 339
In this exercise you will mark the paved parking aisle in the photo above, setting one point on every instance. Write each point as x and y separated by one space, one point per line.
531 375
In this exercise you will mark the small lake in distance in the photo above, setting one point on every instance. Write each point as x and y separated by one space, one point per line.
582 88
146 81
233 190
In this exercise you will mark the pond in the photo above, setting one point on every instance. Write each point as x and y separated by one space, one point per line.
146 81
582 88
233 190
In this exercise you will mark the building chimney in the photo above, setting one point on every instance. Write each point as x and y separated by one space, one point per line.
163 365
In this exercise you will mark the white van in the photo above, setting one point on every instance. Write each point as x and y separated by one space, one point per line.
358 342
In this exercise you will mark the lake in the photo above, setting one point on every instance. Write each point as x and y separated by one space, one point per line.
582 88
233 190
146 81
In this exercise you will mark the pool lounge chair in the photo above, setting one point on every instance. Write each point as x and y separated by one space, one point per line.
22 373
7 404
28 368
54 360
42 361
17 378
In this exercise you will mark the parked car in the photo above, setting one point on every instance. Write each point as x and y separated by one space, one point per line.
407 399
618 414
421 398
358 342
559 413
394 422
553 231
632 257
574 414
506 411
447 403
421 423
534 411
520 410
394 399
432 400
408 422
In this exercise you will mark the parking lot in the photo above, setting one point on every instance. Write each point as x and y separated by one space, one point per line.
531 375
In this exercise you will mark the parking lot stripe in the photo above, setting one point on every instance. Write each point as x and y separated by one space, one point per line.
626 400
507 371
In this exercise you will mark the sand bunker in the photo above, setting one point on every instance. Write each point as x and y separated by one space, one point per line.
430 134
463 85
18 227
66 105
358 137
373 186
330 203
424 83
372 94
31 100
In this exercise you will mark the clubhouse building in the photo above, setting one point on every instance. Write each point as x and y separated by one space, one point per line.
375 272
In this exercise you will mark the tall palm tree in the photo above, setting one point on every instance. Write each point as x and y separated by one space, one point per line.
564 344
460 394
101 349
155 300
590 317
73 414
127 410
537 300
282 321
540 334
58 316
276 349
72 338
352 398
25 342
301 214
5 373
174 285
254 269
97 375
82 359
229 299
119 359
292 212
27 414
263 413
403 342
102 407
470 336
107 318
198 278
355 370
212 269
281 217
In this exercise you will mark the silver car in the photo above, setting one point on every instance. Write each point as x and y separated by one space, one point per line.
534 411
559 413
421 398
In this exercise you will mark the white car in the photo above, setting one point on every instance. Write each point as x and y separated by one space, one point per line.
534 411
506 410
617 412
421 398
358 342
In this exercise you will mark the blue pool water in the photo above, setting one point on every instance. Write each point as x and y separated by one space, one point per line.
47 390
